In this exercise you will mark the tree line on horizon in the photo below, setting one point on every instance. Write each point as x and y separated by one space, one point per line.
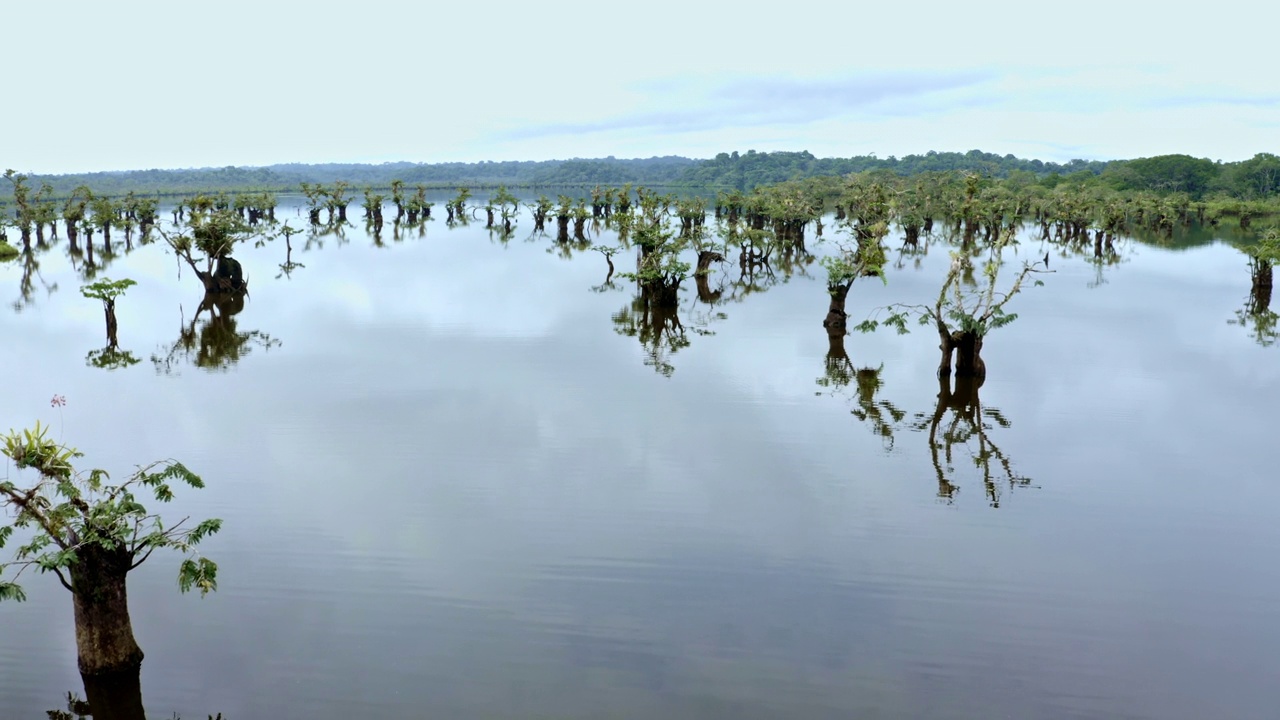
1253 179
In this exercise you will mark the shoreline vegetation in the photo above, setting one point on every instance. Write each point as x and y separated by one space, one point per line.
1248 180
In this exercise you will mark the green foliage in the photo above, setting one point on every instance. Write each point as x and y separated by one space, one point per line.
867 259
1164 173
8 252
1266 252
69 510
958 310
107 290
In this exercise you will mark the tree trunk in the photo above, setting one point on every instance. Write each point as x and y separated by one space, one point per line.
967 347
836 321
109 307
115 696
705 258
104 634
658 294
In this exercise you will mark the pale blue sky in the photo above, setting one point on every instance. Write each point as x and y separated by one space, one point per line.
142 84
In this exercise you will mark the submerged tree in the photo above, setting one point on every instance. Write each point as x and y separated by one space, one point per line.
25 213
91 533
962 317
107 291
865 258
213 233
110 357
659 271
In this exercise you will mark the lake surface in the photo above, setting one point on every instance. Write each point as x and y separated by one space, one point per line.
452 487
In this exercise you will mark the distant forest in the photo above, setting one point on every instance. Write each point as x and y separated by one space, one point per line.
1257 178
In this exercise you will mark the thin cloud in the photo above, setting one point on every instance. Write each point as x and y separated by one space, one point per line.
1209 99
769 101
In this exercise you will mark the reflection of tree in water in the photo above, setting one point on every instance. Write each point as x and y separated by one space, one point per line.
215 344
1103 251
115 696
1257 317
960 424
110 357
659 329
840 372
27 284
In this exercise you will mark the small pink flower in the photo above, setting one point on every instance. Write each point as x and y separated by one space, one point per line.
58 401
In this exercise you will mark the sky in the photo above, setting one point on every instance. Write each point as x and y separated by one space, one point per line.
139 84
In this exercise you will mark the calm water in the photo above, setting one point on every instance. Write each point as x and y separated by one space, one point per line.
452 488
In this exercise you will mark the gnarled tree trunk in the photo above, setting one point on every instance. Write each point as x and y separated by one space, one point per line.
967 348
836 321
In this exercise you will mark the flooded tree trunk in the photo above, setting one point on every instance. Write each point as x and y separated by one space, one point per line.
578 228
662 295
104 634
967 349
109 309
837 319
562 228
115 696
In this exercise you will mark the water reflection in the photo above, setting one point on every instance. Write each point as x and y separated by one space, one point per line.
27 284
658 328
116 696
1257 317
110 357
839 372
215 344
960 425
